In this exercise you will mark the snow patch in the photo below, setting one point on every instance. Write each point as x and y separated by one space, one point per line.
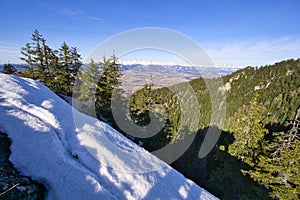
47 104
78 157
183 192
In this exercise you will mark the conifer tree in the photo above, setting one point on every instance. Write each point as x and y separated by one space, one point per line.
141 104
228 182
27 53
57 69
248 131
89 84
278 169
9 69
47 59
108 82
38 56
75 66
63 68
53 61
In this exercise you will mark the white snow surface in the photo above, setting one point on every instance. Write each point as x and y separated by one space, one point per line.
78 157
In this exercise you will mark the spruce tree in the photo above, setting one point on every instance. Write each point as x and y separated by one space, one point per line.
109 81
75 66
27 53
57 69
53 61
38 56
88 85
47 60
63 69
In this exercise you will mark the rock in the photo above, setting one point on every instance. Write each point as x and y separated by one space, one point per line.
12 184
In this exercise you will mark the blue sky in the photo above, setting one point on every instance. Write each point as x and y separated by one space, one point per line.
231 32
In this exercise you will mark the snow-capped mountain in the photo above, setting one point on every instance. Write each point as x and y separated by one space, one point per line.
145 62
78 157
147 66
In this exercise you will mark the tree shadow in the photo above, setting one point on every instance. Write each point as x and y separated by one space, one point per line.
276 127
219 172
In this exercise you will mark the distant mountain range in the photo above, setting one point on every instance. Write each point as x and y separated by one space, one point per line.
171 68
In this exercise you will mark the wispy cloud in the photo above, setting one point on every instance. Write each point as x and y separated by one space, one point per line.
70 13
254 52
95 18
5 47
9 53
77 14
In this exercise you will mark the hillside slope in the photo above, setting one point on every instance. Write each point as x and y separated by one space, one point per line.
79 157
272 93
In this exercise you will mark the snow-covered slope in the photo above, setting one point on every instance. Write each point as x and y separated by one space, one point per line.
79 157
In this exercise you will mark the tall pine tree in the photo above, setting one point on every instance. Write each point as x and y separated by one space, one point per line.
38 56
89 84
57 69
63 70
27 53
75 66
108 82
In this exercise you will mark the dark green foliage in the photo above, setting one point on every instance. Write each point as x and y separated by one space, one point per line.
27 53
248 131
87 86
98 82
56 69
248 166
144 103
9 69
67 67
278 168
227 181
278 87
108 82
89 82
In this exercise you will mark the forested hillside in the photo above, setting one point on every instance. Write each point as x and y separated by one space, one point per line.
278 87
257 155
